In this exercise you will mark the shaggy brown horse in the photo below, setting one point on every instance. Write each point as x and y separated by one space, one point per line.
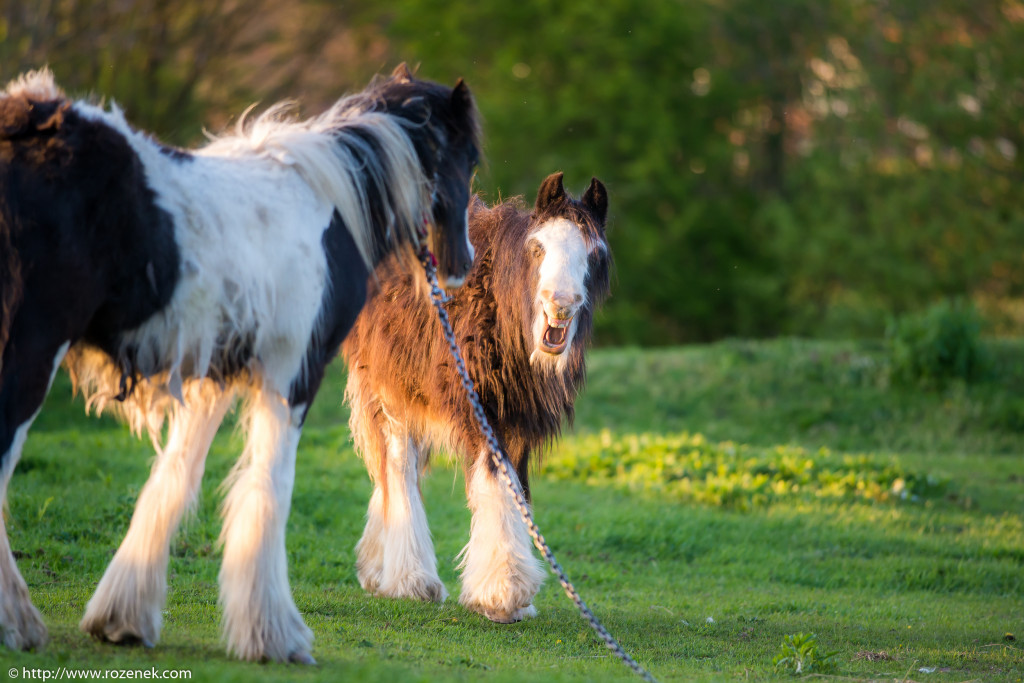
523 320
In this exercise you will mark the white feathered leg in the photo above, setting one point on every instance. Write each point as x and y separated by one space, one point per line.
395 555
128 603
500 575
260 617
370 549
21 625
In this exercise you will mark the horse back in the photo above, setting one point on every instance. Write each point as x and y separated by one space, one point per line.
83 237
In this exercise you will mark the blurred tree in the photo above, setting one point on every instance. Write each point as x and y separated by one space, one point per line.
174 65
909 166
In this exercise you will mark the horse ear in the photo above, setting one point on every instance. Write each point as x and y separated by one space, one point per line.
461 99
551 191
402 73
596 200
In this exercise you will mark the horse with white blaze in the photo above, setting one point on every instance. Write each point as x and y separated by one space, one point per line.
523 321
170 281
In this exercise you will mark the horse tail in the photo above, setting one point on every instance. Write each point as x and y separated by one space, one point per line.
29 104
10 279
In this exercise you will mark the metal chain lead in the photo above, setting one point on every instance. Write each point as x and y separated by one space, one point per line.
501 462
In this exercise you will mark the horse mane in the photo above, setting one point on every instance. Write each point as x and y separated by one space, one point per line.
331 151
36 85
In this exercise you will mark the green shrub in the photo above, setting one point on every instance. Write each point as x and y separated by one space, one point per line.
940 344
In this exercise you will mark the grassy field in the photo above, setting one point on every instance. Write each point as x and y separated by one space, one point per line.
709 502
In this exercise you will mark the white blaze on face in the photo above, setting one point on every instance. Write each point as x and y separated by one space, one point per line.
561 287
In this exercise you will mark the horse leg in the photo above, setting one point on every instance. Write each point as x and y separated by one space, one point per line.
25 378
370 548
128 602
366 418
395 556
500 575
260 617
396 528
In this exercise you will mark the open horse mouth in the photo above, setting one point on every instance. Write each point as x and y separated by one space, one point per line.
556 335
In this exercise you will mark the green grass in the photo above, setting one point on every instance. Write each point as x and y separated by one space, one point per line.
710 502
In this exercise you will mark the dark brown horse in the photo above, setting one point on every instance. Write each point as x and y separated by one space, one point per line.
523 320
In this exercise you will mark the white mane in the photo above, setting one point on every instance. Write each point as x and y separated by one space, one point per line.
34 85
323 150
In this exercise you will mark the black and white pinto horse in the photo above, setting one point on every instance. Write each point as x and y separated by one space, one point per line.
169 281
523 321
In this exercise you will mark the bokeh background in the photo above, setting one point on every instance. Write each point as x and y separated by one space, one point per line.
795 167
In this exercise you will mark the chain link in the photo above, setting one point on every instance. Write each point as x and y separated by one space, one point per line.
504 467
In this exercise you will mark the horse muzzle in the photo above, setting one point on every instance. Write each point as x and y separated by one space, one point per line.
559 313
454 264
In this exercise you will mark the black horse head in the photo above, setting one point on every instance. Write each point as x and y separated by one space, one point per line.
446 133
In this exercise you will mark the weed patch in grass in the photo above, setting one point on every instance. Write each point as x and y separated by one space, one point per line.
799 654
689 468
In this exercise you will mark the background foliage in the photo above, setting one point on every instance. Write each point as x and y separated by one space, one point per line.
794 167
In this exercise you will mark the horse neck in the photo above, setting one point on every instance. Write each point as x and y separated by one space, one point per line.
388 242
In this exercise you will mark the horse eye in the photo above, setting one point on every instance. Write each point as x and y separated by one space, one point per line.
536 249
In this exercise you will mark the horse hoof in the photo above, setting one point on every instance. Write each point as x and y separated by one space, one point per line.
301 657
370 583
429 591
501 616
426 589
437 592
111 631
130 640
29 635
136 641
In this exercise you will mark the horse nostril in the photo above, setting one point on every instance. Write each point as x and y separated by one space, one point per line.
560 304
